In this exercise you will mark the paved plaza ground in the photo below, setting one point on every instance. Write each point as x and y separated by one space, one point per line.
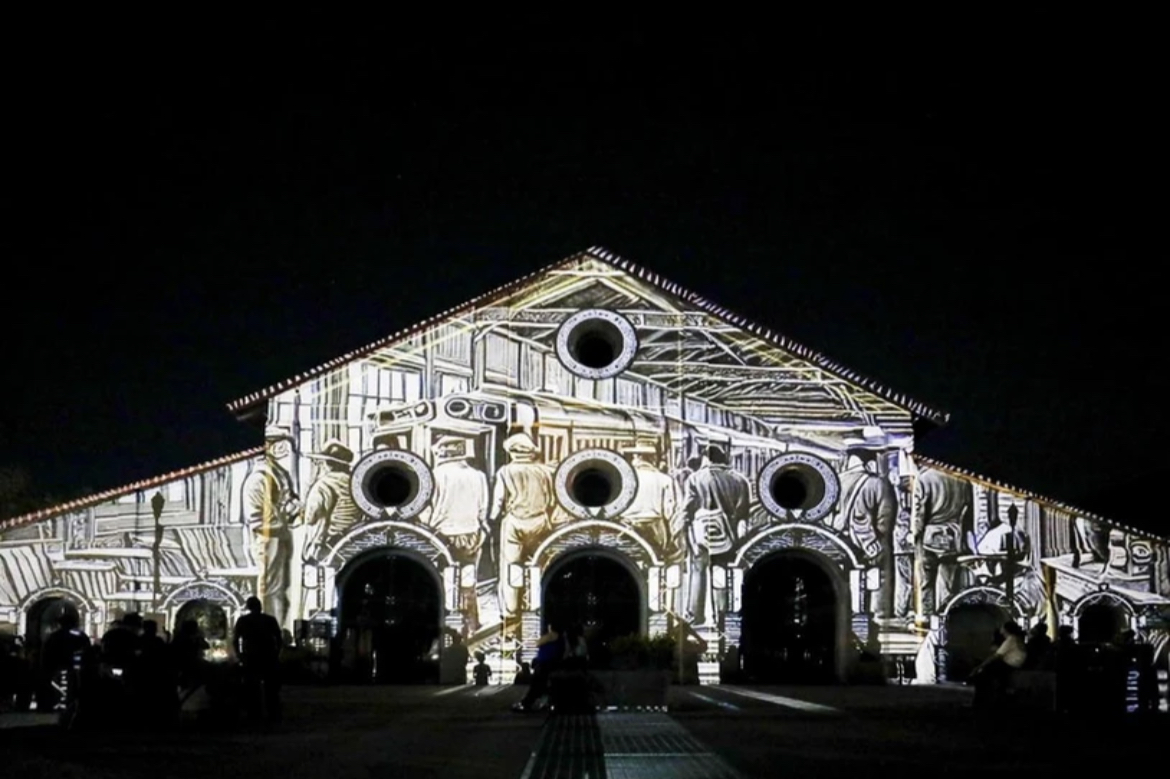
709 731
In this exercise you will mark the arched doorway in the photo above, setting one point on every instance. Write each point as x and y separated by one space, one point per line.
599 593
44 617
211 619
970 628
1101 622
790 621
390 620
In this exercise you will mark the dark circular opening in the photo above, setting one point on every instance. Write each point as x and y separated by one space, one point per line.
790 489
596 346
593 486
391 485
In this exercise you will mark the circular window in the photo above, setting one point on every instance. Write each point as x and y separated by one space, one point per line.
392 479
800 485
596 343
595 484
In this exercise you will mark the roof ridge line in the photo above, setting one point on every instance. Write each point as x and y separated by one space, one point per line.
116 492
1029 495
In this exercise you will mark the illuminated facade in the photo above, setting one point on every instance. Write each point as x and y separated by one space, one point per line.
591 444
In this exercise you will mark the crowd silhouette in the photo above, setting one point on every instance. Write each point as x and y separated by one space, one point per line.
1092 677
134 676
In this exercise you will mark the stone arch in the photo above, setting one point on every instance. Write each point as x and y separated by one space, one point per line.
838 579
797 535
981 595
86 607
202 590
595 534
78 599
400 536
567 557
409 610
960 631
1105 598
1102 597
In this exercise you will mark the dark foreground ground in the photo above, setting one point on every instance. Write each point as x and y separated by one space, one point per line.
343 732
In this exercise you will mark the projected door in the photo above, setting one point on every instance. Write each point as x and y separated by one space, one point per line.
789 622
391 610
597 593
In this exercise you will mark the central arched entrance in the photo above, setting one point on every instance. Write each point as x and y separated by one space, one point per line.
790 621
211 619
1101 622
597 591
390 619
970 630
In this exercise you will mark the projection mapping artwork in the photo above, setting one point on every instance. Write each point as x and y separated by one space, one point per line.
589 444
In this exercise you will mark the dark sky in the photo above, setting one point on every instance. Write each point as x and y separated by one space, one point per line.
191 222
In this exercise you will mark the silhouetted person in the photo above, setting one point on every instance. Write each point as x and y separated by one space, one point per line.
550 652
187 654
121 649
122 645
258 641
992 675
524 674
482 671
1039 648
157 678
62 656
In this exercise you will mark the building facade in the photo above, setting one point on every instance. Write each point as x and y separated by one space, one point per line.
589 444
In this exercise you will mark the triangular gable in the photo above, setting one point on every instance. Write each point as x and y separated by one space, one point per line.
729 362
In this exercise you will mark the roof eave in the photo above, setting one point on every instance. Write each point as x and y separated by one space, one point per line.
105 496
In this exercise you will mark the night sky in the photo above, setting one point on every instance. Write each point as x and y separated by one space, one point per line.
188 223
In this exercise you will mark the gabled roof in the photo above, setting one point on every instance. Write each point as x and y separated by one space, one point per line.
1028 495
117 492
919 410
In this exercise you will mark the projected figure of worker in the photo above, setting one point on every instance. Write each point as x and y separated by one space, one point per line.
270 506
522 503
330 510
654 501
871 508
458 513
941 523
717 499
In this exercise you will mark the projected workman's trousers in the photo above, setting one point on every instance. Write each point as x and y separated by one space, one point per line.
518 535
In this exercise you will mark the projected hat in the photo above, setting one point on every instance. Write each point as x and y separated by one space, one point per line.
335 452
640 449
274 433
450 447
520 442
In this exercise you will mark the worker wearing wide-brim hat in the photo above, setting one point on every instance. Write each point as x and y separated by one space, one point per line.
330 510
270 507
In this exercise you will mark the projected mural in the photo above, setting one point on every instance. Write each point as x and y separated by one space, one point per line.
593 421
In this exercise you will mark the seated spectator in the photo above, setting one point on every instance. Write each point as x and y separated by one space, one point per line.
992 675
